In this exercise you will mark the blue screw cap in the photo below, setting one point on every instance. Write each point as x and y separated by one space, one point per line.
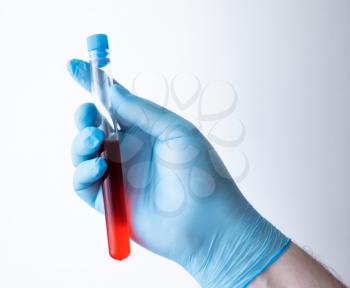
97 42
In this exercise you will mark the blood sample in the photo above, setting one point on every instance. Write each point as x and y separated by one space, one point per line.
115 202
114 199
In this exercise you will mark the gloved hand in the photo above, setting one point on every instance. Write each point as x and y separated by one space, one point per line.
183 203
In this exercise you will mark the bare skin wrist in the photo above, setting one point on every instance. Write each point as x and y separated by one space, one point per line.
296 269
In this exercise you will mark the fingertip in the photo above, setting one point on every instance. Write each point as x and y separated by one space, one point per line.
87 115
99 134
87 142
98 168
71 66
80 72
102 164
89 172
90 194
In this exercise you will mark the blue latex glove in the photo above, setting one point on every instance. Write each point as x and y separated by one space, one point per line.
183 203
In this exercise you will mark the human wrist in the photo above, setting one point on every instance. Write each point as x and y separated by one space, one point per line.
295 268
275 275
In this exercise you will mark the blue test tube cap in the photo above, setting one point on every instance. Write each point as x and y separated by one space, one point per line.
97 42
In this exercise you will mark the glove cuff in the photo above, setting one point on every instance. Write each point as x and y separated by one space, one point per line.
236 256
272 259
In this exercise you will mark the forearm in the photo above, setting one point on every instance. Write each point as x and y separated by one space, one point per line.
296 269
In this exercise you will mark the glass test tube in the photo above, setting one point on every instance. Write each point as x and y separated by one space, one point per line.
112 182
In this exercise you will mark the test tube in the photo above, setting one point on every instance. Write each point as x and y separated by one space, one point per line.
114 199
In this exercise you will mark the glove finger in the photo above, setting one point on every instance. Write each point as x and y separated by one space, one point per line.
87 115
80 71
89 172
86 144
91 195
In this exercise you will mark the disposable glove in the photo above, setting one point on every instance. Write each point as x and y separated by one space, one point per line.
182 201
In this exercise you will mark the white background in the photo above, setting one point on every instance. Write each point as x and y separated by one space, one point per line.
290 64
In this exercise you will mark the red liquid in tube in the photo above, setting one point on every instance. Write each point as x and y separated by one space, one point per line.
114 200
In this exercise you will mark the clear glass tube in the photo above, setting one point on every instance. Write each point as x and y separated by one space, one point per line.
113 188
